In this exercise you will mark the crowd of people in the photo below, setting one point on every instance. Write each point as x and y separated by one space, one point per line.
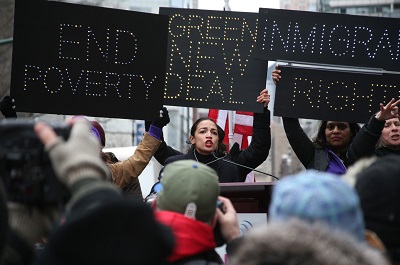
341 210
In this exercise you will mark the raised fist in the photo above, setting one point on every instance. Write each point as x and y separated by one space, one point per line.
162 120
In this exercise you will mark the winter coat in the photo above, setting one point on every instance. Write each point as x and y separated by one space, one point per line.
127 172
226 171
194 240
108 229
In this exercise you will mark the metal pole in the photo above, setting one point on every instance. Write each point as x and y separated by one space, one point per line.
231 124
6 41
231 114
227 7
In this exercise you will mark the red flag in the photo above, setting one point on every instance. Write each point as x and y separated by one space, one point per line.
243 128
242 132
221 118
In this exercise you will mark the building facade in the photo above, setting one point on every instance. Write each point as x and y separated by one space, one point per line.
301 5
381 8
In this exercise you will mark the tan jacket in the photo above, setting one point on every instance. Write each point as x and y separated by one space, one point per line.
123 172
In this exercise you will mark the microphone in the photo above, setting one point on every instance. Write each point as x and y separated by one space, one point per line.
237 164
217 158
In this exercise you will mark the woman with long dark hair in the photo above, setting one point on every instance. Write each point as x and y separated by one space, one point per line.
328 151
206 146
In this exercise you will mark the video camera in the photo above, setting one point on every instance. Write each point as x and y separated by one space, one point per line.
25 167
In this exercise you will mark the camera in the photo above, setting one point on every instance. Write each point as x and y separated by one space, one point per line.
220 205
25 167
219 239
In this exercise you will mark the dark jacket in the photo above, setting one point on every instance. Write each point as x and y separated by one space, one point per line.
108 229
226 171
310 156
364 144
252 156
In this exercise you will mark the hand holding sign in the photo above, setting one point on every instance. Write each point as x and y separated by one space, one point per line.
276 74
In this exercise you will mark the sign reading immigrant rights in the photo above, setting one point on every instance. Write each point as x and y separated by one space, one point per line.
86 60
325 95
211 60
337 39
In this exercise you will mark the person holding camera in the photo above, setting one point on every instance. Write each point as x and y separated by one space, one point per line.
187 203
125 174
96 215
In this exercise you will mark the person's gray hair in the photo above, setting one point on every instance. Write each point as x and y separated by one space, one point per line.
296 242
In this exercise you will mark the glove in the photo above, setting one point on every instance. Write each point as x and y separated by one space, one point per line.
79 157
147 125
7 107
31 223
234 151
163 120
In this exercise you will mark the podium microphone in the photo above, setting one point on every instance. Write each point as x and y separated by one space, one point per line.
240 165
217 158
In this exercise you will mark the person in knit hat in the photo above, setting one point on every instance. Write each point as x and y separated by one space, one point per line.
316 196
298 242
377 182
100 226
100 132
187 203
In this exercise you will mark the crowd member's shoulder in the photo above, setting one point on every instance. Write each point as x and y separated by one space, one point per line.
174 158
206 258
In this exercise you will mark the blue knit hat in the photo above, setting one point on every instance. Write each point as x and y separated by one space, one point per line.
318 196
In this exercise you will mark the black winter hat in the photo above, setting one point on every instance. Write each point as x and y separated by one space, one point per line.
3 218
118 233
379 189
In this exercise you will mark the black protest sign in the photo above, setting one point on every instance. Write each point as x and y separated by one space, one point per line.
337 39
211 60
325 95
77 59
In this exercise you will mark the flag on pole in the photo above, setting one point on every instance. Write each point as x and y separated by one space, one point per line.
221 118
243 129
242 132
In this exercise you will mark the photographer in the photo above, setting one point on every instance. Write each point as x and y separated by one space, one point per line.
96 214
187 203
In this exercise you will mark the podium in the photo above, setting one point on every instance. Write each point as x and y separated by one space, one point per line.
251 201
248 197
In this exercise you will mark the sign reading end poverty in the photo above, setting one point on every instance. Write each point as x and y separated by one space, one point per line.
325 95
211 60
77 59
338 39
